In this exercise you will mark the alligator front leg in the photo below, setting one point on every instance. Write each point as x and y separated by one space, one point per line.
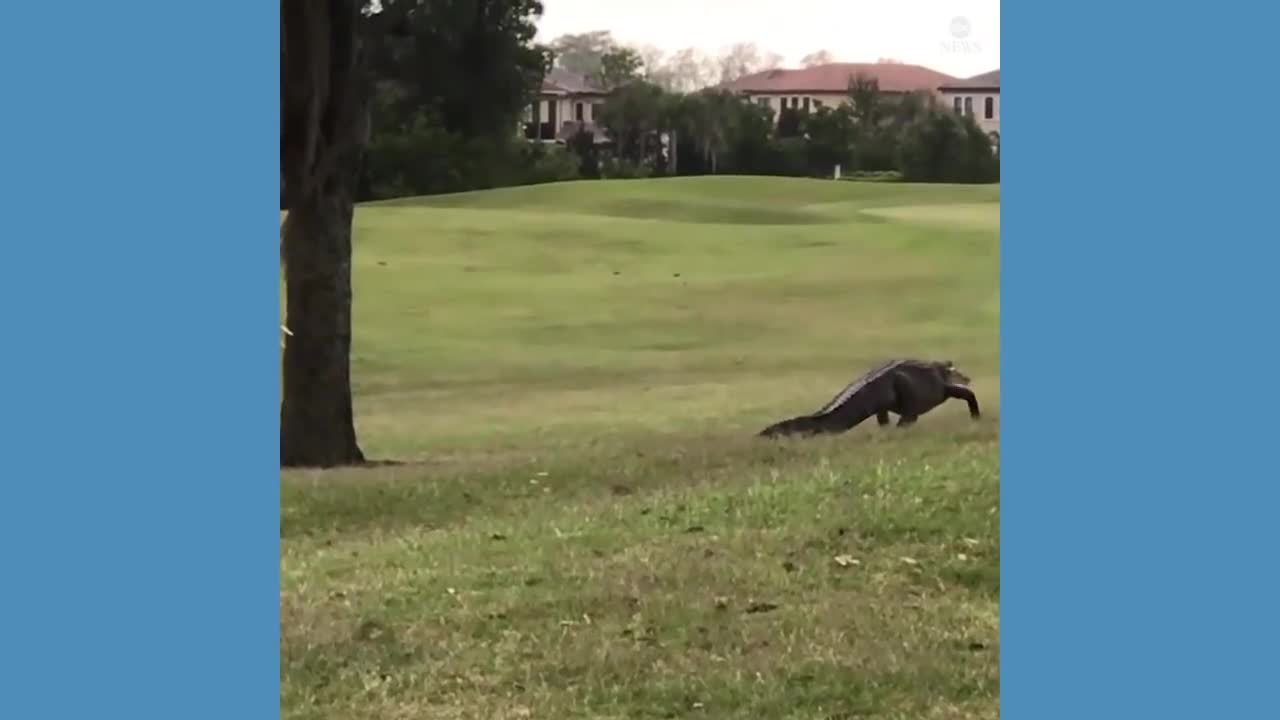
959 392
882 418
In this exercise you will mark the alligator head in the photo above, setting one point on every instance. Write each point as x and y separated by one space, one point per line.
952 374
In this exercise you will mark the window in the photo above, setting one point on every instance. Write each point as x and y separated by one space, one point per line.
817 103
968 106
763 101
989 109
806 104
578 111
957 104
595 111
795 103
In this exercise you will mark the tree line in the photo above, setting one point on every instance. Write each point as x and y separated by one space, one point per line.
451 79
911 136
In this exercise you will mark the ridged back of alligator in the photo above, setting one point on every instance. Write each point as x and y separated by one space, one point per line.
858 384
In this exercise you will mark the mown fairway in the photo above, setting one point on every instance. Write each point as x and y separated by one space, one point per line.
585 526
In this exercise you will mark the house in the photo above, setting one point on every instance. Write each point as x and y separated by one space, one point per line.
828 85
566 103
978 96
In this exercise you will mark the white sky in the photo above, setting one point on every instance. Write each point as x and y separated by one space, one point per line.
914 31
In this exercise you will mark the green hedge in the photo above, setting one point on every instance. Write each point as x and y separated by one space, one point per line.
872 176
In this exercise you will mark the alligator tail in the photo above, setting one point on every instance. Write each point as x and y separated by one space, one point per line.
802 425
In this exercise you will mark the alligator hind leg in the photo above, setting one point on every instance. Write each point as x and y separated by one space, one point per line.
905 403
882 418
959 392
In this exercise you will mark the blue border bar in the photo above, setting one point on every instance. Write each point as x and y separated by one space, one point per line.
1140 303
139 508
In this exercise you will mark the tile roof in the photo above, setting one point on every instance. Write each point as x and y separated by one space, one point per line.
985 80
561 80
834 78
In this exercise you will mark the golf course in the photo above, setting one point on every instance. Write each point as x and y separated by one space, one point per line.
581 522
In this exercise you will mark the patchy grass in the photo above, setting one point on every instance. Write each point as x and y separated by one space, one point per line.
978 216
585 526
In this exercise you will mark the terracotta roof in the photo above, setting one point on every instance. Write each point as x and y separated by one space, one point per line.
985 80
561 80
834 78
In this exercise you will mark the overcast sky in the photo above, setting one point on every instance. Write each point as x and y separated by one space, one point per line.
925 32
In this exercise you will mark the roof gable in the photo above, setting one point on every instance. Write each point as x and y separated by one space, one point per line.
987 80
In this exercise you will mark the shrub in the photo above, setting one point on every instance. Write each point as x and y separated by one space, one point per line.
942 146
787 157
873 176
424 159
541 163
621 168
791 122
583 146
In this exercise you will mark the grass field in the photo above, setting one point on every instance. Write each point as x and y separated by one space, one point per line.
585 526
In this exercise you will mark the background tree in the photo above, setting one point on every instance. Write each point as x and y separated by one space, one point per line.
750 148
832 133
790 123
618 67
944 146
866 101
580 53
821 57
583 146
982 154
690 70
694 119
910 106
875 141
471 63
632 115
742 59
451 82
656 67
722 112
719 132
323 125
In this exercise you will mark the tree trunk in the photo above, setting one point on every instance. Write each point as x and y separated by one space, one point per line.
323 129
675 153
317 427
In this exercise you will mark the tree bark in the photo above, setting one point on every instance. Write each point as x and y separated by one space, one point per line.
323 130
317 426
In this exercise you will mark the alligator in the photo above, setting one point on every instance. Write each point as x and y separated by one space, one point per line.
907 388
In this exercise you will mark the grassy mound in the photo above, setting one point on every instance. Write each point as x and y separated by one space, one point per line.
585 526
